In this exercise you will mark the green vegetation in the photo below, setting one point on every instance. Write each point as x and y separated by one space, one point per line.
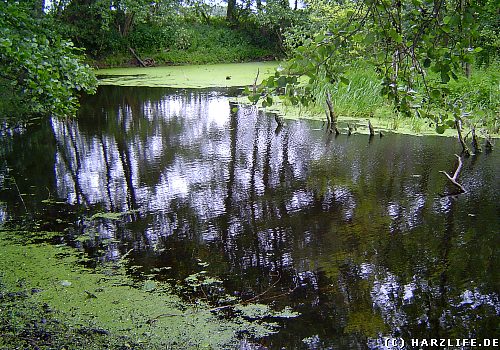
167 31
359 98
196 43
432 60
423 52
40 72
431 64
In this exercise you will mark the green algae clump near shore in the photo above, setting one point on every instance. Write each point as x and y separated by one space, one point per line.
189 76
102 302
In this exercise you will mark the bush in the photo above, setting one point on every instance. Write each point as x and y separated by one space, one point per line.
151 37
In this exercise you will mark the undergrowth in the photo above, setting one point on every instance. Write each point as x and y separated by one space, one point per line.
198 43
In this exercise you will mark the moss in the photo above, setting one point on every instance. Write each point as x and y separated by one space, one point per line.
192 76
108 299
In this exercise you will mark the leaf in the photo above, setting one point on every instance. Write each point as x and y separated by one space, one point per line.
369 39
395 36
269 100
254 98
319 38
427 62
282 81
445 77
436 93
344 80
450 123
440 129
358 37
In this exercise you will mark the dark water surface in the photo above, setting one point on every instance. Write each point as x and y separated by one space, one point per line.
351 233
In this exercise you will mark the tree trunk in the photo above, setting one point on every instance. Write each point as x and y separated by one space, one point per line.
465 149
331 116
231 7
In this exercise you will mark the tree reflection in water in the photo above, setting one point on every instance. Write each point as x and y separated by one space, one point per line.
355 232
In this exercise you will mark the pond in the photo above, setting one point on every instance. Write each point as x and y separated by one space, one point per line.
352 232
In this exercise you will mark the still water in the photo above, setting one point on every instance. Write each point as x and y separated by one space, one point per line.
351 232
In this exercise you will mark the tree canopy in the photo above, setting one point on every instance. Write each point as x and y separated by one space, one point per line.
40 72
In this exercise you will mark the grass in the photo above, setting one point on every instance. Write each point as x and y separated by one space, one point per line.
357 101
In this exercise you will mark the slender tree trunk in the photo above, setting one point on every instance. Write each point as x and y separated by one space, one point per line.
466 65
231 7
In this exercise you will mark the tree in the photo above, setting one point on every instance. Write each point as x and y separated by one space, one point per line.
40 72
231 11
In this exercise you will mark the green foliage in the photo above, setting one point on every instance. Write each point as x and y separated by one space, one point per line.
275 18
39 70
171 32
489 31
417 48
214 43
89 25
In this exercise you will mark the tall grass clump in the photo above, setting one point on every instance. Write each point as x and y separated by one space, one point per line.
481 94
358 98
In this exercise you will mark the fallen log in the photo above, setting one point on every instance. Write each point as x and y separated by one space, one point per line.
141 62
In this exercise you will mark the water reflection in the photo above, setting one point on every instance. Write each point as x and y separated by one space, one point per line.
351 233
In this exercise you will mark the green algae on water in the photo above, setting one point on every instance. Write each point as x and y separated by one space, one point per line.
189 76
108 299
